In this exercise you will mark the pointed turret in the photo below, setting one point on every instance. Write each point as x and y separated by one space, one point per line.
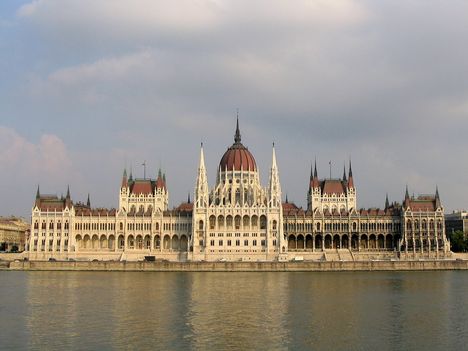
350 177
437 198
38 194
406 201
387 204
124 179
68 192
274 183
188 198
344 173
314 179
88 202
201 190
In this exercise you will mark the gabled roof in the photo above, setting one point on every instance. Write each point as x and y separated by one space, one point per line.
333 186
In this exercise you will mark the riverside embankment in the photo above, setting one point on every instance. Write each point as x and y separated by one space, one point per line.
310 266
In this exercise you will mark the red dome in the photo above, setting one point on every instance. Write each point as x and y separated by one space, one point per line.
237 157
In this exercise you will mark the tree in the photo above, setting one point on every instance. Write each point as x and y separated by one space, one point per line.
458 241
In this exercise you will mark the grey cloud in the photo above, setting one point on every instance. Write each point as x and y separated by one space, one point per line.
383 82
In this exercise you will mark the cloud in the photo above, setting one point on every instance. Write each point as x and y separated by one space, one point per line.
384 82
26 164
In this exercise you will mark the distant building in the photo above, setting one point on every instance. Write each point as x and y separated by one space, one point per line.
13 233
237 219
457 221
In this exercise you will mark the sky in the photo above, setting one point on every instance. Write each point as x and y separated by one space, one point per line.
89 87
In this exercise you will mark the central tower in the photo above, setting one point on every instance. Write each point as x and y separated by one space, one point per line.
237 219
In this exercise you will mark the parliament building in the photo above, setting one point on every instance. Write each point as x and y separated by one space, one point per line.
238 219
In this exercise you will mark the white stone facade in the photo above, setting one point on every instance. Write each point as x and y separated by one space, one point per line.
238 219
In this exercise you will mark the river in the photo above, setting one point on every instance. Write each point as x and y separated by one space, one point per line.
234 311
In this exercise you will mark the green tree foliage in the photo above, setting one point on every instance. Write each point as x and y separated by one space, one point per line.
458 241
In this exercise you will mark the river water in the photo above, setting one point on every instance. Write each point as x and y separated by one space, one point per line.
234 311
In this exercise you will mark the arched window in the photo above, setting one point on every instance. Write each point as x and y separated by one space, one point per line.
275 224
212 222
246 222
263 222
229 222
237 221
200 225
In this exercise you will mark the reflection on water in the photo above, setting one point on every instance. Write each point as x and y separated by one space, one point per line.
235 311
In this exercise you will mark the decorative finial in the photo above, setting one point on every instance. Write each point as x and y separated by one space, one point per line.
88 202
38 194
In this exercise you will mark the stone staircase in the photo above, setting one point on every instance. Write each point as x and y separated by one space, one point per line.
345 255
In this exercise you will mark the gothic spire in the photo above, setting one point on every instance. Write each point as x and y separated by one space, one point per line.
38 194
406 192
274 183
344 172
387 204
237 136
315 168
350 177
68 192
88 202
201 189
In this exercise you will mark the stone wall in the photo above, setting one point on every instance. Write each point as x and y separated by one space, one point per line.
429 265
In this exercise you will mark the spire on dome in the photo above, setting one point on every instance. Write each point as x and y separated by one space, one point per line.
237 136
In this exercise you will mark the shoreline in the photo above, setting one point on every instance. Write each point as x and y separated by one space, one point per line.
305 266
